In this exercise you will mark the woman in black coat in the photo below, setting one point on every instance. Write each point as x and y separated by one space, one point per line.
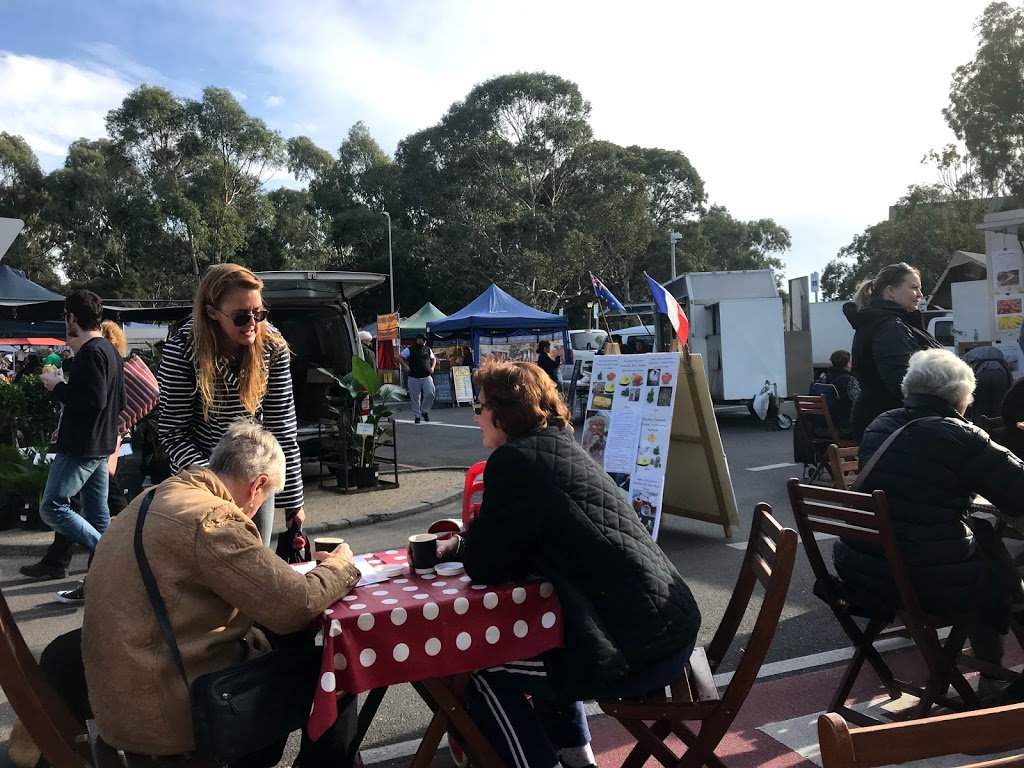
550 511
930 474
887 331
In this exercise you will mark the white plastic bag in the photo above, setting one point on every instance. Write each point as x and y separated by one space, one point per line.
761 400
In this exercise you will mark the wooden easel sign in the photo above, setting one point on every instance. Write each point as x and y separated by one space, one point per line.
697 481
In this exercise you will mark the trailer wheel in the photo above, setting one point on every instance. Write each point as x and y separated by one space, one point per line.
784 421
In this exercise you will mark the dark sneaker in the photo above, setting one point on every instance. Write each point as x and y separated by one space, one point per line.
426 417
74 596
417 419
44 570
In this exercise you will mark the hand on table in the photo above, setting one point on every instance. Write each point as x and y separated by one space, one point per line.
446 549
342 555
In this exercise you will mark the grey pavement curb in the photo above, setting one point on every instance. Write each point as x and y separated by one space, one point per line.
38 549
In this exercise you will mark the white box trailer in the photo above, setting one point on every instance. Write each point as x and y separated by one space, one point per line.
830 331
736 325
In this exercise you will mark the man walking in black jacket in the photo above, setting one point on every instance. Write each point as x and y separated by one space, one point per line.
93 399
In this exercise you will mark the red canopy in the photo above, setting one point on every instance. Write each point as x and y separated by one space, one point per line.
33 341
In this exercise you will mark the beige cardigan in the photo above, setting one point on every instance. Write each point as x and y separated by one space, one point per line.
216 578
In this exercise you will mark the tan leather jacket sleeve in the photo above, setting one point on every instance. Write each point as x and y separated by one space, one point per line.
255 580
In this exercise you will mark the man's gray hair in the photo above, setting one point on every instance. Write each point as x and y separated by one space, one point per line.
941 373
247 451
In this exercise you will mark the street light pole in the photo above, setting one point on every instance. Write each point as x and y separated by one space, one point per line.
391 264
673 238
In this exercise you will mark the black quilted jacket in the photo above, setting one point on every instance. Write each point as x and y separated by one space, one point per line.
549 510
885 336
929 475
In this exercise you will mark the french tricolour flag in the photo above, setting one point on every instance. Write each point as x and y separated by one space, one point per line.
667 305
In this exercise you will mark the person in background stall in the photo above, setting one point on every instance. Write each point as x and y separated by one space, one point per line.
467 356
840 389
366 348
418 362
31 367
228 363
641 347
994 378
887 331
67 359
547 362
52 358
549 511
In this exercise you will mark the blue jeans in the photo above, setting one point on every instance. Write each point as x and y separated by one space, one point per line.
264 520
421 395
87 477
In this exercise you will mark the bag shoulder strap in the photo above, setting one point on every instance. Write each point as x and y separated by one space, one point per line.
154 593
882 448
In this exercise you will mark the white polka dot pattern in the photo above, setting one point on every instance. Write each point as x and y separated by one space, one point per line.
429 625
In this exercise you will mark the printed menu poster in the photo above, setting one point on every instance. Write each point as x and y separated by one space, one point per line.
1009 317
629 424
1006 269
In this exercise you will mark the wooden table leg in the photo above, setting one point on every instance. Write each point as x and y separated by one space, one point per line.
442 696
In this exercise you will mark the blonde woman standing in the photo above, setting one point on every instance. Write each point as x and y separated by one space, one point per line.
226 364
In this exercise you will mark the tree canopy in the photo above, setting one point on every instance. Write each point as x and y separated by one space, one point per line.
510 186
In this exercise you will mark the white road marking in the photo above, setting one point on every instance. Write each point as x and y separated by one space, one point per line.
436 424
817 537
786 667
766 467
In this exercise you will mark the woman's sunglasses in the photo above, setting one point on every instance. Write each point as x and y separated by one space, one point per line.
242 318
478 407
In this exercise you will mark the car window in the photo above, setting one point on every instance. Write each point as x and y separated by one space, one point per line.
588 339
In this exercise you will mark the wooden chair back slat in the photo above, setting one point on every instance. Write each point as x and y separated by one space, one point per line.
989 730
59 736
843 465
769 559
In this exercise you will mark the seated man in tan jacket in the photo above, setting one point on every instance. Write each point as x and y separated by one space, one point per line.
217 580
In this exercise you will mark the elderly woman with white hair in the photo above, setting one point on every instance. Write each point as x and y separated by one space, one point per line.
217 581
930 473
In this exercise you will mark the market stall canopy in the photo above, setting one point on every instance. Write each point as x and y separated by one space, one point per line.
417 321
494 310
34 341
16 290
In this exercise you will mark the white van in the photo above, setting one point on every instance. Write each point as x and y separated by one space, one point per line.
630 336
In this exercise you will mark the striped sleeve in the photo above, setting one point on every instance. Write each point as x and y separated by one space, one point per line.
279 419
177 379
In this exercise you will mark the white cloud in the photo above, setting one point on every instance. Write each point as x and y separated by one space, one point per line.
273 101
52 103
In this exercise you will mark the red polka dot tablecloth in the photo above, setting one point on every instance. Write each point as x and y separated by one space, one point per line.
414 627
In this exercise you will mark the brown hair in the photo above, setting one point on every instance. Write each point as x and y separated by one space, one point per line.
112 332
220 280
874 288
543 346
522 398
840 358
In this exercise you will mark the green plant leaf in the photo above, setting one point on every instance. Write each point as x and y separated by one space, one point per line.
365 375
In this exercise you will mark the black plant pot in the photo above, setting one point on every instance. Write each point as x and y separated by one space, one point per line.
366 477
27 515
8 516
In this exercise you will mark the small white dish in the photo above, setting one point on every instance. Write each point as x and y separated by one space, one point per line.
449 569
391 570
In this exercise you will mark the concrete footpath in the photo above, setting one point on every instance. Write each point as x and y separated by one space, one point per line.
326 509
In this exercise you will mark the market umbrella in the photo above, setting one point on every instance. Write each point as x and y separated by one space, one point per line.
34 341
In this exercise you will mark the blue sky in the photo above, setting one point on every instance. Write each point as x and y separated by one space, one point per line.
814 114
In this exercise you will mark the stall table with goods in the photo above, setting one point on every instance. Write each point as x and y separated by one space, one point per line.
428 630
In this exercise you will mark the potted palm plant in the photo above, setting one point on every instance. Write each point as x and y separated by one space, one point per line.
363 418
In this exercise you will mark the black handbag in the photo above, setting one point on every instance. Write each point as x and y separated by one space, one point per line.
247 706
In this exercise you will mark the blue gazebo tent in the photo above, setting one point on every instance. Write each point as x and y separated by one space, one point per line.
496 315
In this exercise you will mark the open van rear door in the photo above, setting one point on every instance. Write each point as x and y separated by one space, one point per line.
298 285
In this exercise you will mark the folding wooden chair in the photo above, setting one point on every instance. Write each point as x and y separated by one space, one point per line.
819 429
843 465
473 485
769 559
865 518
63 740
982 732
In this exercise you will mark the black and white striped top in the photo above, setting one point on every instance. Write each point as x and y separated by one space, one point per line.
189 439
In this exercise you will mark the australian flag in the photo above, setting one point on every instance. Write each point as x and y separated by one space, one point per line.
602 292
